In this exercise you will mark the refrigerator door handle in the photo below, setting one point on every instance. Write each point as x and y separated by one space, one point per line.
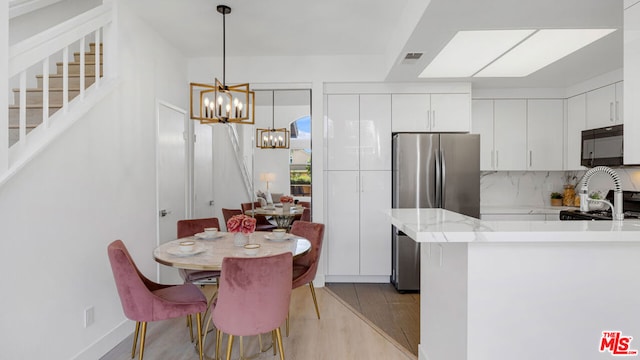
438 203
444 179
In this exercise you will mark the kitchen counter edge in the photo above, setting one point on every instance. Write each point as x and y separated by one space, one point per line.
440 225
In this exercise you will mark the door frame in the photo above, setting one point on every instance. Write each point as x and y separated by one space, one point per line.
188 165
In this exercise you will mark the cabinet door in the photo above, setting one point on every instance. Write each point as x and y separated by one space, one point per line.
545 134
510 134
450 112
410 112
342 132
601 107
375 132
576 122
631 107
482 121
375 227
343 230
618 107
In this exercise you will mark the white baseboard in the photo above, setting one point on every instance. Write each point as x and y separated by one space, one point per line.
319 280
381 279
422 353
107 342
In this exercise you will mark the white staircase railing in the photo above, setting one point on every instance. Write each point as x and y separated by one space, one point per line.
35 56
240 160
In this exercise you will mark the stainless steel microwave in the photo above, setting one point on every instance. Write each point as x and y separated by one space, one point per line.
602 146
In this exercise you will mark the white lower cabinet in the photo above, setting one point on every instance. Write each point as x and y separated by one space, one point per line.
358 231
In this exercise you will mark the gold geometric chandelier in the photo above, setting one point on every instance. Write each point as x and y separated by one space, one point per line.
272 138
222 103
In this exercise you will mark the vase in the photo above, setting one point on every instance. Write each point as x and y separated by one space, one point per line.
568 198
240 239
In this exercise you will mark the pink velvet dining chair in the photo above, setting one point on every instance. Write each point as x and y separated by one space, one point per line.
253 298
306 266
190 227
144 300
229 213
262 224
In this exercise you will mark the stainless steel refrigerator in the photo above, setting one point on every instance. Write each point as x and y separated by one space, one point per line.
431 170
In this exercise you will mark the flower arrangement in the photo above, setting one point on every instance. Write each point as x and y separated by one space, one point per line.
286 199
241 223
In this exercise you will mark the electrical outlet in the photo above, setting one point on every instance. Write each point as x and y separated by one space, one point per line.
88 316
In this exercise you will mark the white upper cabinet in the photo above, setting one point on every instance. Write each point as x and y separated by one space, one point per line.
510 131
482 111
431 112
544 134
450 112
619 108
375 132
410 112
632 85
576 122
604 107
343 132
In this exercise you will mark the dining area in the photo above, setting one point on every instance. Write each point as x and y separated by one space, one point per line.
237 284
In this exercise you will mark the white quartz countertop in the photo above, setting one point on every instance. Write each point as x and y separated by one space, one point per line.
439 225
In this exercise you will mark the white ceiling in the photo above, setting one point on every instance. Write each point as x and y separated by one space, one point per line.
340 27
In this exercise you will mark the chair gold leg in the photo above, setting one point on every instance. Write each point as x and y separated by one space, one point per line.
143 334
199 324
229 347
218 343
135 340
280 347
287 324
190 325
315 301
241 348
273 341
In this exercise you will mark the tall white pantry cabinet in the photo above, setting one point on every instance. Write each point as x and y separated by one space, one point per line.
358 185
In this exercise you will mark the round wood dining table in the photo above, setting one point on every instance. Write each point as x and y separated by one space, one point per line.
209 252
282 218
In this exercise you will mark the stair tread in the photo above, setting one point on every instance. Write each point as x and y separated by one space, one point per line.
78 63
29 126
70 75
36 106
41 89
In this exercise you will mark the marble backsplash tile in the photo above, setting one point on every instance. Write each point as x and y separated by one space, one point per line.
499 188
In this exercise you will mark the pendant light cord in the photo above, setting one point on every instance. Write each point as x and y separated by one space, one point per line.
224 48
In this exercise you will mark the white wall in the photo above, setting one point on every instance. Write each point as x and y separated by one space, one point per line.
94 184
34 22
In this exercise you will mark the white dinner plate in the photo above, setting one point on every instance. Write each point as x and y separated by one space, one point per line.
274 238
177 252
207 237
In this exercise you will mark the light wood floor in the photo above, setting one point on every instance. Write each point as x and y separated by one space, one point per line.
341 333
396 314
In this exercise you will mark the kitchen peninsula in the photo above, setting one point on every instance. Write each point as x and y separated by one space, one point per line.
523 289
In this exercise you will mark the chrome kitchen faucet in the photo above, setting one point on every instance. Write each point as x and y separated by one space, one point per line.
616 208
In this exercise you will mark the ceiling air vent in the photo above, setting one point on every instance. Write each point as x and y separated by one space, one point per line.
411 58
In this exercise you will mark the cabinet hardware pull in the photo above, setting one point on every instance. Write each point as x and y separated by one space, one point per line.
530 158
617 111
497 160
433 120
611 111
